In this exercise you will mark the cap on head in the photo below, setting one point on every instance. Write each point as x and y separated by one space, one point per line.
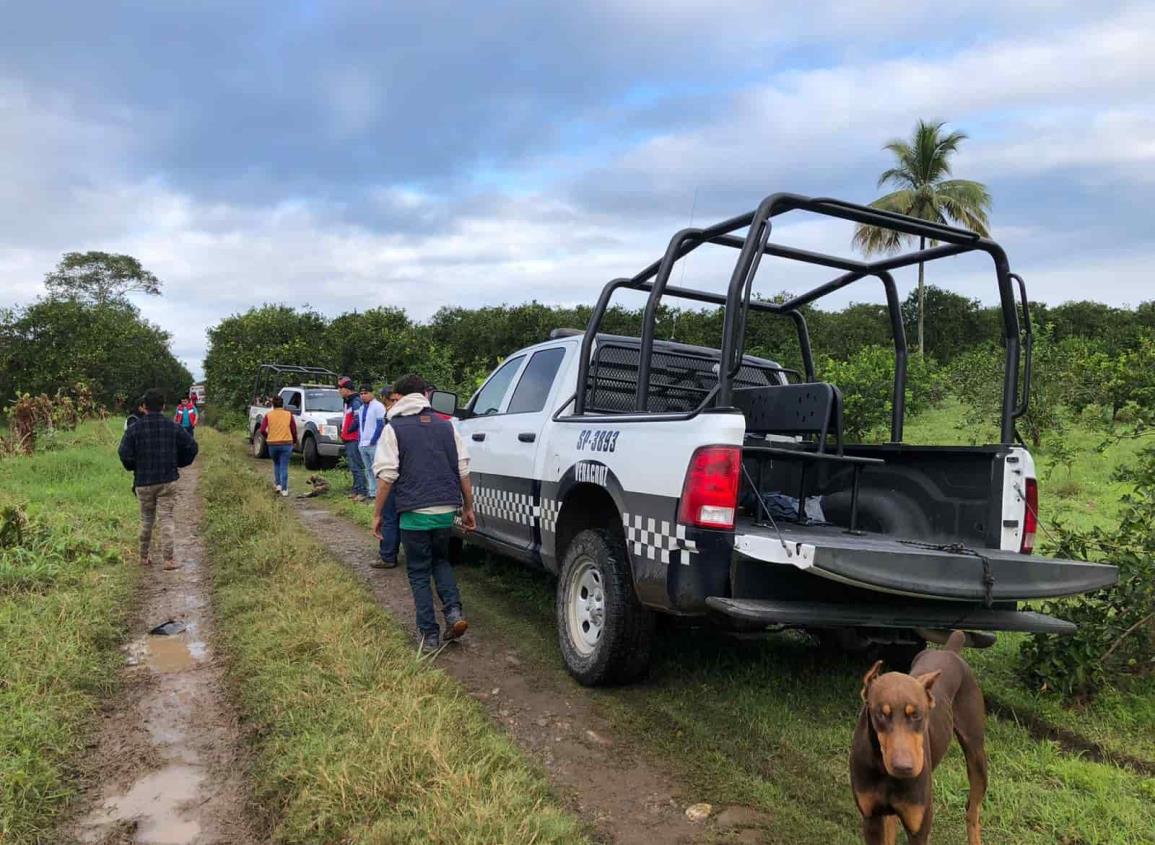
366 388
345 382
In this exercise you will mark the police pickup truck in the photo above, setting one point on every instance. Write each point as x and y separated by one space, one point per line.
312 398
656 477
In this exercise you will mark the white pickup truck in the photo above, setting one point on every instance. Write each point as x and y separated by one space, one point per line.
653 476
315 403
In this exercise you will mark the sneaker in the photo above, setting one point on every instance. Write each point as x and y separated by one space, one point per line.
455 624
170 565
357 497
146 561
276 488
285 492
381 563
429 642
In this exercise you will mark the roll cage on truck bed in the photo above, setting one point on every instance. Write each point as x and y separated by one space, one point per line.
645 476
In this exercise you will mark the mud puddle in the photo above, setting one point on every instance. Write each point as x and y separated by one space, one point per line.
168 766
627 797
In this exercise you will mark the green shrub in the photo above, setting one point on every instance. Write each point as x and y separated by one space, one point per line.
1116 636
866 380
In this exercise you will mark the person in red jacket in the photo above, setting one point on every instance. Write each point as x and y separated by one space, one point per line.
186 417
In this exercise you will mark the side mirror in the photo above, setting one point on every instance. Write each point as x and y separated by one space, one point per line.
293 409
443 402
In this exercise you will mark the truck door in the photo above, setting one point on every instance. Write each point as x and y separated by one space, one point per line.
512 491
293 406
487 405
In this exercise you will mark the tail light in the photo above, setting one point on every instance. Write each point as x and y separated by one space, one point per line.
1031 517
710 494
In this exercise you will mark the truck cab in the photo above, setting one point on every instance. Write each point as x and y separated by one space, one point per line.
657 477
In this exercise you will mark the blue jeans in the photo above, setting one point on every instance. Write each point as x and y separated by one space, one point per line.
280 455
353 459
390 529
427 554
367 453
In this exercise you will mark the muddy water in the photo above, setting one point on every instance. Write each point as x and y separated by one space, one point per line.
169 765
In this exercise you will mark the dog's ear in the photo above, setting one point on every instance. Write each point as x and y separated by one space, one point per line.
927 682
869 677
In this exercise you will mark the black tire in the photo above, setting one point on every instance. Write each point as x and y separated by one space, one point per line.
311 455
259 446
612 645
328 462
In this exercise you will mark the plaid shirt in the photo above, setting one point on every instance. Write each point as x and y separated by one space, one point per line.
153 448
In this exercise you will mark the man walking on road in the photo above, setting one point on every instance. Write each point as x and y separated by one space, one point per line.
153 450
370 424
186 416
351 437
421 456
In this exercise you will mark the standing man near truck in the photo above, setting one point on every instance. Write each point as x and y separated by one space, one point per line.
370 424
390 545
351 437
422 456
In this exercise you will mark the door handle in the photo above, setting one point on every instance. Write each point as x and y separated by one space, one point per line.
479 436
527 437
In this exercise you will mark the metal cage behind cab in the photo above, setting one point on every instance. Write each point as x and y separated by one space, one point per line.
732 366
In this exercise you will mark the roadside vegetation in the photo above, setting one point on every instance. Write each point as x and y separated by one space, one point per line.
67 522
356 739
796 707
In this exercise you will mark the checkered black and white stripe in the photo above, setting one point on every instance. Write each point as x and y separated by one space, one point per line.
550 508
504 504
658 539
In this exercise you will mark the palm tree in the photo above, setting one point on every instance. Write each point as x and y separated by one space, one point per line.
923 190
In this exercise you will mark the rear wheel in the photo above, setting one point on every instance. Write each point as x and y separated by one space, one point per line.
311 454
604 632
259 446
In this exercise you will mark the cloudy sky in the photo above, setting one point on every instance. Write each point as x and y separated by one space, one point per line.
353 154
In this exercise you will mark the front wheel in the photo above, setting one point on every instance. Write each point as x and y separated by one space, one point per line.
259 446
311 455
604 632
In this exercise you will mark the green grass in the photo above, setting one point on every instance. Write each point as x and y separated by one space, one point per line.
356 739
65 597
768 723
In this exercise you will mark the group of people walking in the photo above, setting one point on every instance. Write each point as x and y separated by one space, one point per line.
407 459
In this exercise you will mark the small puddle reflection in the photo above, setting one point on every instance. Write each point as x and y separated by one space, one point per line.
155 803
169 654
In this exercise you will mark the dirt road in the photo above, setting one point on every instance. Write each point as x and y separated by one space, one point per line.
168 767
626 795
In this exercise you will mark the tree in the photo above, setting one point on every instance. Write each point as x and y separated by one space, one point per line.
923 190
99 277
57 343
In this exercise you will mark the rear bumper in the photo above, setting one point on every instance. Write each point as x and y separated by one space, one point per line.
761 613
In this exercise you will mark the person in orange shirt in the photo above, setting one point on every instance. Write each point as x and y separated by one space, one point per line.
280 431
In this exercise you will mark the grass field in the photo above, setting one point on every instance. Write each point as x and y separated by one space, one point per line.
767 723
357 740
64 606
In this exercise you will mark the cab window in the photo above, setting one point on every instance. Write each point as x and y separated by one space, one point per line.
534 385
488 400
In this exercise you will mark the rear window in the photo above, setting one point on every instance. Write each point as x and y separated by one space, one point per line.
679 380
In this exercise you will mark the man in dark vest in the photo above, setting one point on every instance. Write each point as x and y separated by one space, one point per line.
421 457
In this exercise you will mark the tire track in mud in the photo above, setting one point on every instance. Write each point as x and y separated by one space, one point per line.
169 760
626 797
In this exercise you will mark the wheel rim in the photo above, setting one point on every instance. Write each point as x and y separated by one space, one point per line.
585 606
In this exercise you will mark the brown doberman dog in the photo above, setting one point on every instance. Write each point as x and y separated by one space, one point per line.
904 732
